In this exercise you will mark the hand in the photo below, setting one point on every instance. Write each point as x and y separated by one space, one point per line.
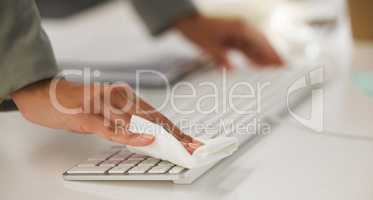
92 108
217 36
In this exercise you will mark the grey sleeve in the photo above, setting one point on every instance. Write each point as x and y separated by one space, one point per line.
26 55
159 15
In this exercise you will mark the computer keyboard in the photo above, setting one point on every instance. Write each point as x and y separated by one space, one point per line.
119 164
118 160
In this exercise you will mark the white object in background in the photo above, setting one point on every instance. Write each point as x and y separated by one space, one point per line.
253 11
167 147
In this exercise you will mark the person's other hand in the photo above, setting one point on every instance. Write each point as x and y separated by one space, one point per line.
217 36
95 108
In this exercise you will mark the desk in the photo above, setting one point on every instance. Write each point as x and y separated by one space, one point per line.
291 163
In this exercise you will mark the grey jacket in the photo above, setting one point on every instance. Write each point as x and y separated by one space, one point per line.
26 55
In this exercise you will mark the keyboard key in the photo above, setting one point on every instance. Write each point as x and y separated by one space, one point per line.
176 170
103 155
165 163
118 147
88 170
151 158
139 169
89 163
159 169
129 162
137 157
110 163
120 169
150 161
99 157
121 156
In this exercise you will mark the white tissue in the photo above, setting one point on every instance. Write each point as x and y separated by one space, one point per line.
167 147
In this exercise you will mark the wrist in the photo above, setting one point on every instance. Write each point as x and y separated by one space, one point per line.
34 88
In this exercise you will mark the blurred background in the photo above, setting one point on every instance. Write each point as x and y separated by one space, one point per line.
109 32
359 10
296 27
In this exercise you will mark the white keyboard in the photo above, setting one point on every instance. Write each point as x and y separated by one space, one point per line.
119 161
119 164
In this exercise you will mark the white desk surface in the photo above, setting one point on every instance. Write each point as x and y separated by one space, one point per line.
291 163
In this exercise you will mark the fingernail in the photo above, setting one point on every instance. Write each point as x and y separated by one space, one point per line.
189 150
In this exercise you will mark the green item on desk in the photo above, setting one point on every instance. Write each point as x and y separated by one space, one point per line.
364 80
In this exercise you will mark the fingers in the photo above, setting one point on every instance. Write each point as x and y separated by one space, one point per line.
217 52
120 96
95 124
192 146
148 112
129 138
219 56
265 54
256 47
138 107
